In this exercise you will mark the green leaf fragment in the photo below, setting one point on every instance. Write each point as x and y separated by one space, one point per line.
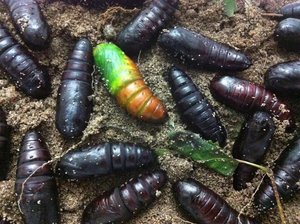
205 152
230 7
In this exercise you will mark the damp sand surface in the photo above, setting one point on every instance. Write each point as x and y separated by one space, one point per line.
247 30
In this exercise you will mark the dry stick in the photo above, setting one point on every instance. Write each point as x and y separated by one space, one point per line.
269 14
94 80
184 221
25 181
278 201
250 201
139 57
270 174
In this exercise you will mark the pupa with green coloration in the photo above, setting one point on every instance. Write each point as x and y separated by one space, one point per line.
124 81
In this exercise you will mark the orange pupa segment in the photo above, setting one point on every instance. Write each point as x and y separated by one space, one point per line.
139 100
153 111
124 95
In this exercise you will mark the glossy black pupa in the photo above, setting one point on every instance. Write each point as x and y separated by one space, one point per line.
27 75
29 22
103 159
74 102
142 30
120 204
252 145
35 187
194 108
205 206
200 51
286 174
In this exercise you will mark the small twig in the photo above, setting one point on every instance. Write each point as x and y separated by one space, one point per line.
139 57
250 201
25 181
183 221
270 174
94 79
269 14
253 164
277 197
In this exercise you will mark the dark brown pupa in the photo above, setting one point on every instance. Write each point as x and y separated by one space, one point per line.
252 144
4 145
194 108
201 51
284 78
26 74
291 10
144 28
287 33
74 103
122 203
29 22
38 202
104 159
205 206
248 97
286 173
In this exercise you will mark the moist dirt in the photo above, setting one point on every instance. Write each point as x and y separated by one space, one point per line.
247 31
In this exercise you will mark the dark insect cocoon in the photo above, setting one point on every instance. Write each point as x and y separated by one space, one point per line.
248 97
287 33
122 203
35 183
103 4
291 10
205 206
29 22
4 145
103 159
286 174
74 104
201 51
194 108
144 28
27 75
284 78
252 145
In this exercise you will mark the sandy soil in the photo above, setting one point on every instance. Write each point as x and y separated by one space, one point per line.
247 31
